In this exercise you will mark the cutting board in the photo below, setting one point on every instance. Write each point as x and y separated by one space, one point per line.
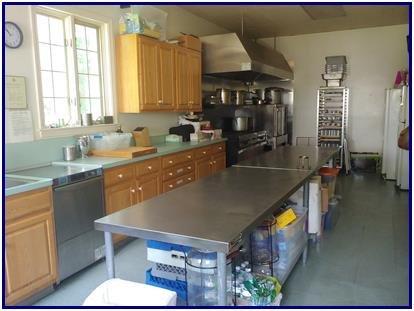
130 152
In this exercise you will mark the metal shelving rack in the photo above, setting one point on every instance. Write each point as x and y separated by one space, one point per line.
332 118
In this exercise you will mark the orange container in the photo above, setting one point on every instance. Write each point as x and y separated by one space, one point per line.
329 171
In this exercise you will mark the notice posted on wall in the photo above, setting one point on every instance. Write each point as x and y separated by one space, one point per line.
19 126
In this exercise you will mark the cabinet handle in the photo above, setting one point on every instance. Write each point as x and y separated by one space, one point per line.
189 156
204 152
150 167
132 190
189 178
211 163
170 174
220 148
160 101
189 167
120 176
171 186
140 188
214 162
171 161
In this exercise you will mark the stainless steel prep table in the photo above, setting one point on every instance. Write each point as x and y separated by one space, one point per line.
286 158
210 213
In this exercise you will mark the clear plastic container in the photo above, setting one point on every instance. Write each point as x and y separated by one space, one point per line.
264 248
202 277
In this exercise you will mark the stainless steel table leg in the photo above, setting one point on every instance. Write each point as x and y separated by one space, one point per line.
306 194
305 254
109 255
221 279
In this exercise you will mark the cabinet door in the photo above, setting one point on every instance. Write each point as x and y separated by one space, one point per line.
148 74
148 187
30 262
166 79
219 162
119 197
182 79
203 167
194 65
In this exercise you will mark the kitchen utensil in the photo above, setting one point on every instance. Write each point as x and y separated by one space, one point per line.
240 97
129 153
84 145
141 136
87 119
224 95
240 124
274 96
69 153
108 119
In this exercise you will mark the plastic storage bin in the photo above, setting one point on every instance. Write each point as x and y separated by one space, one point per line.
167 253
117 292
332 216
179 287
295 228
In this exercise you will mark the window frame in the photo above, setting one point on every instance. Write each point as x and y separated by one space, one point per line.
71 17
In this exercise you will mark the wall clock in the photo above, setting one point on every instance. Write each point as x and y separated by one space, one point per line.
13 35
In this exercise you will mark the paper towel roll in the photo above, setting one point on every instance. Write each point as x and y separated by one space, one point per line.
314 225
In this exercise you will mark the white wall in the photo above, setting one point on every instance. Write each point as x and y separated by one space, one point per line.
374 55
20 61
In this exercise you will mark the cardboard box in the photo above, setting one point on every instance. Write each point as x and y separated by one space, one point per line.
190 42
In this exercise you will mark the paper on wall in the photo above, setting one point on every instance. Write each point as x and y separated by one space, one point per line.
19 126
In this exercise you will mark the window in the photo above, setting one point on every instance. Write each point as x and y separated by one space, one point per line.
70 73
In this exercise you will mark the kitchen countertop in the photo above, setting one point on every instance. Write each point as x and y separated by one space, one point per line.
287 158
32 184
104 162
162 150
209 213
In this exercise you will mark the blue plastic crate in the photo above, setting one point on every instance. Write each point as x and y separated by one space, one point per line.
167 246
180 287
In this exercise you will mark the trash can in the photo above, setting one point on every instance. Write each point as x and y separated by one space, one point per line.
117 292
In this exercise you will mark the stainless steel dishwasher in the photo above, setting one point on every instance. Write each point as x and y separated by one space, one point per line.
77 202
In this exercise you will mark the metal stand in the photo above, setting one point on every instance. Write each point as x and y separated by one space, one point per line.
306 205
221 279
109 255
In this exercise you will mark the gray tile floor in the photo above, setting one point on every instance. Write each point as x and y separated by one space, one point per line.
362 262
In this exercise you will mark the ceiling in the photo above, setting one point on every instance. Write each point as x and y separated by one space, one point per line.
261 21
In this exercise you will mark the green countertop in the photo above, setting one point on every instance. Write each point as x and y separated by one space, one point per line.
106 162
32 184
162 150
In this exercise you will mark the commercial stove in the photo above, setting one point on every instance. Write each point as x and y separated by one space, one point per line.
244 145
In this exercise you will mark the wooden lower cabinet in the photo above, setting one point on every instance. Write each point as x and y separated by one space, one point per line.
30 245
210 165
203 167
148 187
119 197
219 162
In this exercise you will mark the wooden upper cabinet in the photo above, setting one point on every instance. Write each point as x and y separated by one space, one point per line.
154 76
148 74
166 77
182 79
194 66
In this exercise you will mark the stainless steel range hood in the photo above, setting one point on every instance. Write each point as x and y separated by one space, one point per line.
231 56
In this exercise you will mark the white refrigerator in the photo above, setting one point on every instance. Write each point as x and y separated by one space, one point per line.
402 167
394 159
